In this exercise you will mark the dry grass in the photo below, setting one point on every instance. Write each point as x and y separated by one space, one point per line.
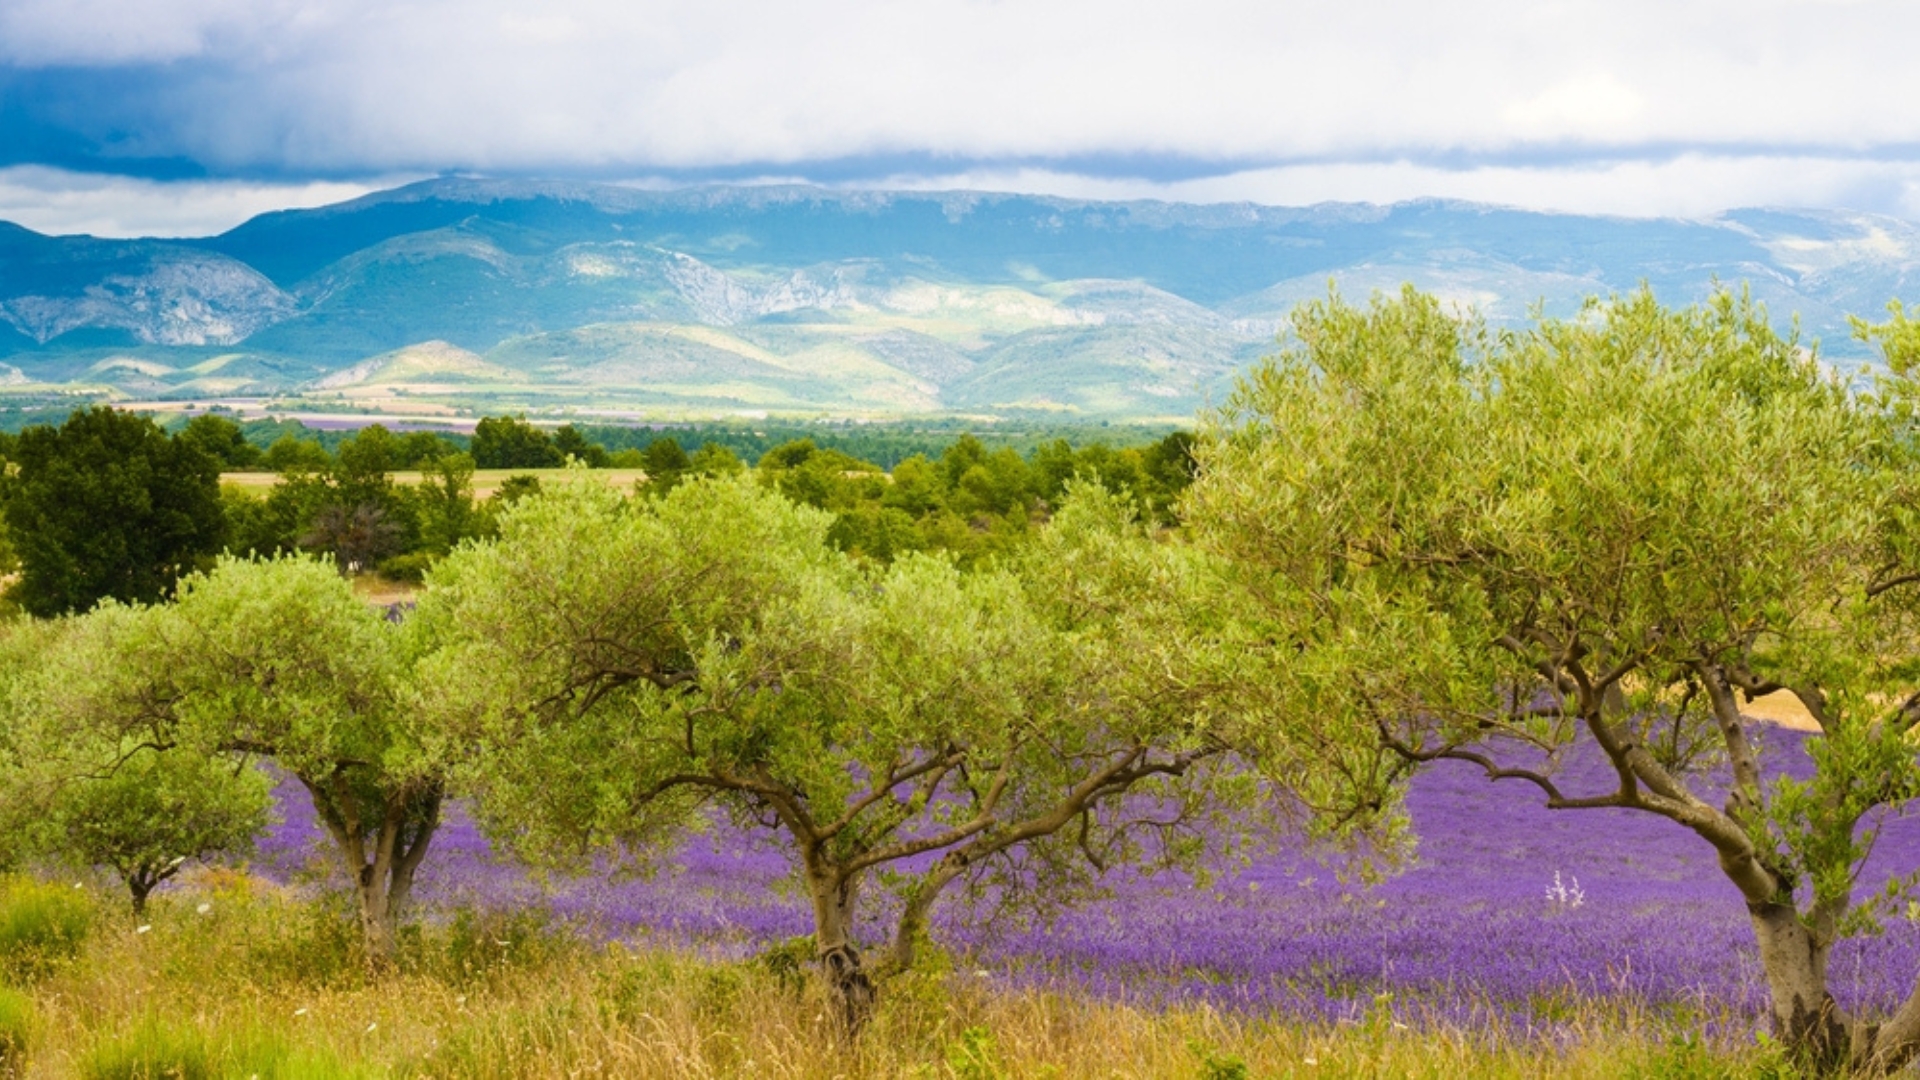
263 984
485 481
381 591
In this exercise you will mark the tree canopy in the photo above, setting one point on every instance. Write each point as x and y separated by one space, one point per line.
618 666
1600 535
107 505
275 660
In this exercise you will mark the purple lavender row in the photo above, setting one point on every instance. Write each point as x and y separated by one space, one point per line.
1509 913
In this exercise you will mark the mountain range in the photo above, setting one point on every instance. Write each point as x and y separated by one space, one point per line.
460 296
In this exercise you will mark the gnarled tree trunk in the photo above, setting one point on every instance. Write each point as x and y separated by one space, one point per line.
380 856
850 987
1806 1019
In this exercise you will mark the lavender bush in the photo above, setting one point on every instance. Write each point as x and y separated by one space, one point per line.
1467 935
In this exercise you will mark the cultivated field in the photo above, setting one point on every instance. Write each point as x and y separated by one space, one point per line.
485 481
1520 942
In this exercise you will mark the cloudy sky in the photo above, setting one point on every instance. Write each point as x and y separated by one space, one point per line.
123 117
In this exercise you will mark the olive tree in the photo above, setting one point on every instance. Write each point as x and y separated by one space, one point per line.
23 800
619 665
1602 535
279 658
276 660
150 814
79 789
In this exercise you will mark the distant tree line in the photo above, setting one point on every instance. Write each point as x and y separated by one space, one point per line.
885 444
109 505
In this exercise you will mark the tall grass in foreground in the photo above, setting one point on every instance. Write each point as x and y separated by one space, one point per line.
234 979
41 926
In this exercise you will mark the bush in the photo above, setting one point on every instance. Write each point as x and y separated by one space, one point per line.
975 1055
312 943
411 567
41 925
788 962
16 1024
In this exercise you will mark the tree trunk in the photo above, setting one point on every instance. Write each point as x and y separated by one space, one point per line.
386 883
1806 1020
915 915
382 876
140 886
377 913
848 985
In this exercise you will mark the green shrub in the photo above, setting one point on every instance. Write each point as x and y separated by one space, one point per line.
152 1050
16 1024
975 1056
1216 1066
41 925
313 943
788 962
411 567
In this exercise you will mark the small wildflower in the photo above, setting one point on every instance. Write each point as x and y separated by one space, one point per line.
1567 896
204 909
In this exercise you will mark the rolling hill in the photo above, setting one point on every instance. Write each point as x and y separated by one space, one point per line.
460 296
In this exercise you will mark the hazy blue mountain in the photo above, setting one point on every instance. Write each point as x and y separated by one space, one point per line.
472 294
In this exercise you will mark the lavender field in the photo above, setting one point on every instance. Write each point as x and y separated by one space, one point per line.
1511 915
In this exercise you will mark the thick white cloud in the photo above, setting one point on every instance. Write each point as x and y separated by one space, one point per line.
1686 186
57 202
376 85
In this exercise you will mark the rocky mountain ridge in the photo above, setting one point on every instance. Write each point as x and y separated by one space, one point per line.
789 299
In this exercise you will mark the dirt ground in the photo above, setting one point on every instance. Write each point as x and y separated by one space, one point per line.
1781 707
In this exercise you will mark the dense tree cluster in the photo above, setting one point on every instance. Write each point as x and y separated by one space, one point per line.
1404 540
970 501
106 506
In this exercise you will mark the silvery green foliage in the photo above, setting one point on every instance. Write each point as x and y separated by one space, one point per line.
150 814
1608 530
614 666
94 784
274 659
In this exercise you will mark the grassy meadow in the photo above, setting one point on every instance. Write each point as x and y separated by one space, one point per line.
233 976
256 969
